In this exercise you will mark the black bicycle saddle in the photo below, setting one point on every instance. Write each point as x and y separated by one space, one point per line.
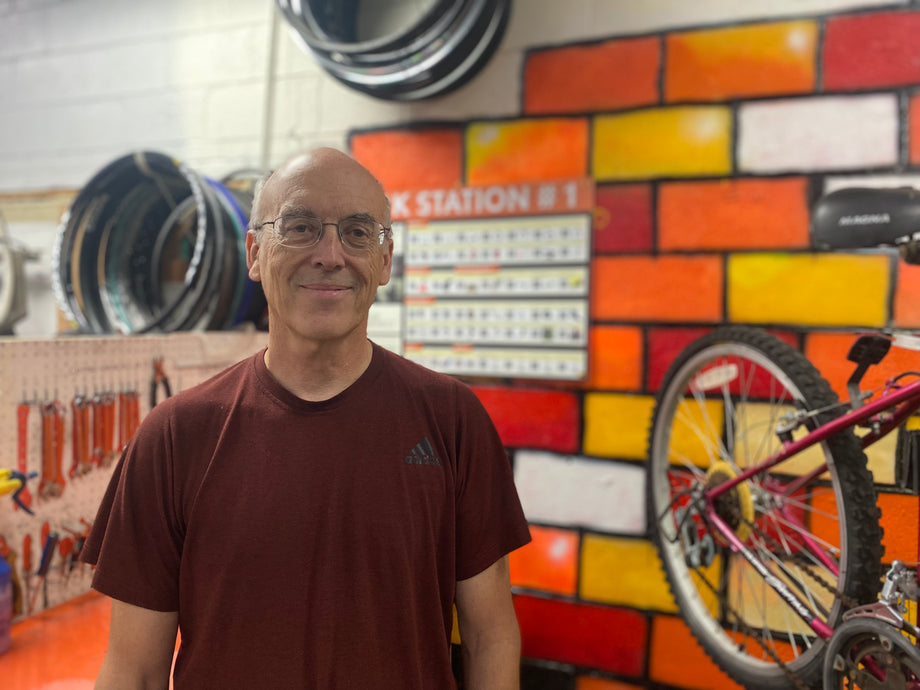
860 217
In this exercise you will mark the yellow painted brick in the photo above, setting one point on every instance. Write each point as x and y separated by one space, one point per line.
809 289
663 142
605 579
616 426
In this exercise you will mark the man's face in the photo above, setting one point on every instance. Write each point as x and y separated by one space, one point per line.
324 292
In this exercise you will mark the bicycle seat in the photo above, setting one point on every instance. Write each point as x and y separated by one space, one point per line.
860 217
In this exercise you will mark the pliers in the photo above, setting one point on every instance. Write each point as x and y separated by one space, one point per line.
159 378
15 481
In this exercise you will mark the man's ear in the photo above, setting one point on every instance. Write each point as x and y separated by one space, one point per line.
387 264
252 255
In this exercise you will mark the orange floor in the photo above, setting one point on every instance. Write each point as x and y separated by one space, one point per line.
59 649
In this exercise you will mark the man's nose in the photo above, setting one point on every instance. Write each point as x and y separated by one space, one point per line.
329 251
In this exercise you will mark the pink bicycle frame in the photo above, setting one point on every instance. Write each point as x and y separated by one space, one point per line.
898 403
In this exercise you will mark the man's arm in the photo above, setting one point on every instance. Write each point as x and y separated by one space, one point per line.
489 634
140 651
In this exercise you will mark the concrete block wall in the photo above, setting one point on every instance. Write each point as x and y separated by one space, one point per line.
708 130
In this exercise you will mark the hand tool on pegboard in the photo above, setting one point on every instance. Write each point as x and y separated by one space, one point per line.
22 446
49 544
129 416
15 481
27 566
82 419
157 380
52 479
108 428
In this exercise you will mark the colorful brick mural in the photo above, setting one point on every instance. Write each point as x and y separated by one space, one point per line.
708 148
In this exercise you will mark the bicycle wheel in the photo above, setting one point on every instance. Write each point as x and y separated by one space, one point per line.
872 655
811 520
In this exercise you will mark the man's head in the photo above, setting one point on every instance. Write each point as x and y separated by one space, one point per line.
320 292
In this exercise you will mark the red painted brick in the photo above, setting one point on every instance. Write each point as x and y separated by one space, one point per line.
623 218
547 420
666 344
871 50
419 159
617 74
734 214
604 638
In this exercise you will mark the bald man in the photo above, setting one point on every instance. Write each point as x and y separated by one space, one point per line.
310 517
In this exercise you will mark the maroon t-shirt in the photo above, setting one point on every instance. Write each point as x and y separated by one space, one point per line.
309 544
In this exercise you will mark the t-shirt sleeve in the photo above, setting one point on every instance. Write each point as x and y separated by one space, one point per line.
135 542
490 519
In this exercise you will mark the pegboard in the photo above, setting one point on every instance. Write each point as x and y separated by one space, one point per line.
106 372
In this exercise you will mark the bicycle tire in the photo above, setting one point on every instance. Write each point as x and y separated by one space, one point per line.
748 379
892 654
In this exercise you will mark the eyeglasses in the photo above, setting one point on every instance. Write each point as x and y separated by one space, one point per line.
357 233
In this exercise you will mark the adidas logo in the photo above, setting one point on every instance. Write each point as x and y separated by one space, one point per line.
422 454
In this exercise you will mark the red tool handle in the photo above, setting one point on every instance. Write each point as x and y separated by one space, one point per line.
22 457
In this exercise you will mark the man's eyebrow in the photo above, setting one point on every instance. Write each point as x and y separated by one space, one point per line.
297 211
304 211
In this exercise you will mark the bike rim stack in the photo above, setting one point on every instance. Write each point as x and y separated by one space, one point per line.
148 245
441 50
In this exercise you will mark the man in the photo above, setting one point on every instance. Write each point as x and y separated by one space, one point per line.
309 517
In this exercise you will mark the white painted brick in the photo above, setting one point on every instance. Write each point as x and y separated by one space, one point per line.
834 183
575 491
819 133
655 15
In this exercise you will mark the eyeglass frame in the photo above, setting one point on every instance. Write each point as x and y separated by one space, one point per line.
384 231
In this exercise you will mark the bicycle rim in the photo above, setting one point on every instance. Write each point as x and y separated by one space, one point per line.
869 654
816 530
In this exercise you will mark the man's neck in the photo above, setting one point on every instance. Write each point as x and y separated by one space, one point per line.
317 371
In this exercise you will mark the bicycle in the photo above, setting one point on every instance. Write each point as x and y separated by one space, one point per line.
760 501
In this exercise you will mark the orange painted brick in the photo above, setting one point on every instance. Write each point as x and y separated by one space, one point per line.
871 50
527 150
907 290
617 74
743 61
549 562
657 288
828 352
913 128
733 214
675 658
615 355
420 159
590 683
900 519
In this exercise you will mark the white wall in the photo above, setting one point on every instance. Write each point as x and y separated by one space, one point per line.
83 82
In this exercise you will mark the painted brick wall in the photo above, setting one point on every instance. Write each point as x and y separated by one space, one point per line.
708 147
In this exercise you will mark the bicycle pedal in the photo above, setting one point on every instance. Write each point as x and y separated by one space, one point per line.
869 349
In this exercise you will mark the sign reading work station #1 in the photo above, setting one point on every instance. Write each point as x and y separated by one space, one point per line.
493 280
520 199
